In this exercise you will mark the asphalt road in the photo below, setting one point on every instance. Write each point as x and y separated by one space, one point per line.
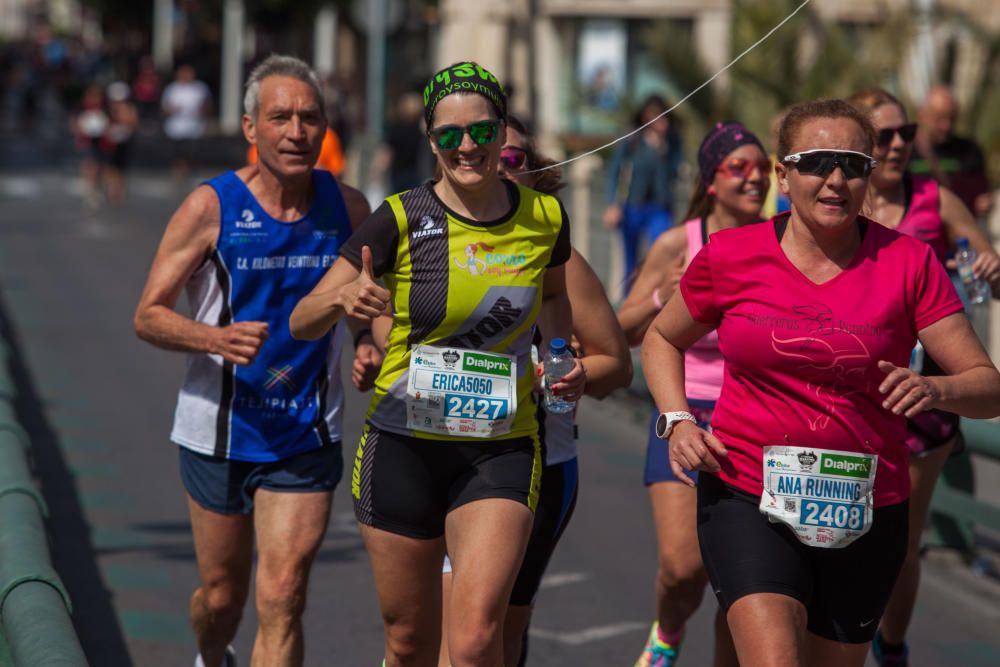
98 404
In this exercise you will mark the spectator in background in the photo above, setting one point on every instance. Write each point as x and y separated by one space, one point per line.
89 124
123 121
955 162
186 103
403 158
641 175
146 89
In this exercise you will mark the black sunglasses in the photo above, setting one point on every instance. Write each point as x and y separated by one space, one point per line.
906 133
449 137
820 162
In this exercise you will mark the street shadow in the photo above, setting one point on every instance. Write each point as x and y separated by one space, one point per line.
73 553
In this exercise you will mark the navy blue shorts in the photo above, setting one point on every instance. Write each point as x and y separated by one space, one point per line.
227 486
657 452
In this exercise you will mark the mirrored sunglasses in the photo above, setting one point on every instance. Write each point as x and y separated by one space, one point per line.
906 133
449 137
739 167
513 158
820 162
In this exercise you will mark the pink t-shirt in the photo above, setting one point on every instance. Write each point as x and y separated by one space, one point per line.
703 360
801 358
922 219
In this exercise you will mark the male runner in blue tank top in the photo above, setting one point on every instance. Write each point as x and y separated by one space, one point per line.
258 418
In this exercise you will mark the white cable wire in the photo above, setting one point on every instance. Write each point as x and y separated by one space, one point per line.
683 99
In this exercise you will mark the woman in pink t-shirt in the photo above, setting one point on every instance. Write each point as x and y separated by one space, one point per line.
919 207
732 184
802 521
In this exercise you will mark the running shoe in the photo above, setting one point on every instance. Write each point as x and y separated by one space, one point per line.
658 653
889 659
229 661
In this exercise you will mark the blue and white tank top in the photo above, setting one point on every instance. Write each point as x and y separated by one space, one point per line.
290 400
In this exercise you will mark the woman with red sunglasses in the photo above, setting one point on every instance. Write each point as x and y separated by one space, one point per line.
919 207
730 191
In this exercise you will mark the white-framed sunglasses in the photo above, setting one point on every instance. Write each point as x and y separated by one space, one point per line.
821 161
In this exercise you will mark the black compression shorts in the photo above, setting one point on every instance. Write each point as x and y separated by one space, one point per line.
407 485
844 590
555 508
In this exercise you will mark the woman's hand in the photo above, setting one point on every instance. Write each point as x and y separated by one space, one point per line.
908 392
987 267
570 386
693 448
364 298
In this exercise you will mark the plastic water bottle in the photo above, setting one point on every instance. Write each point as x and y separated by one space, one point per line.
558 362
977 289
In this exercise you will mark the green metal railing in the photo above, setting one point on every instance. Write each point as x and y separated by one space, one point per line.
955 509
35 625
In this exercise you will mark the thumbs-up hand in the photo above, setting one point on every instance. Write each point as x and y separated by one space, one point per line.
364 298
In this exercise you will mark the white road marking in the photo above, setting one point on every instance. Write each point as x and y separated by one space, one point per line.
948 587
152 188
563 579
21 188
578 637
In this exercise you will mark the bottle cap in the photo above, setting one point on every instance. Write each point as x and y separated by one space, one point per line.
962 242
557 346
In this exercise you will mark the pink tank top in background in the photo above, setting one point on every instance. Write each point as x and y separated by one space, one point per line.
922 219
703 360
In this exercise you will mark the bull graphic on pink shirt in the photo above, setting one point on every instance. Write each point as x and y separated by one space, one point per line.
835 360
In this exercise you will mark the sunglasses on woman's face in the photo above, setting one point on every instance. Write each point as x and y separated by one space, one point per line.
739 167
513 159
820 162
905 132
449 137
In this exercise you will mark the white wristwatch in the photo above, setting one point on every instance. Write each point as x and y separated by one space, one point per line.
665 422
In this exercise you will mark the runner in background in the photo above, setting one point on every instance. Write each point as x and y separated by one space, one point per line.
601 348
186 103
802 517
123 123
451 449
640 185
955 162
731 187
259 417
919 207
89 124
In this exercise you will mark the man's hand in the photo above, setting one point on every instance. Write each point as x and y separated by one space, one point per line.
239 342
364 298
367 364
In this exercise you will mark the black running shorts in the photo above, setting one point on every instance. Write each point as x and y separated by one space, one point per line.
844 590
555 508
407 485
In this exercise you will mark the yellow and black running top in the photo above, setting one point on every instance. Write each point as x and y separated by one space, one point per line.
460 283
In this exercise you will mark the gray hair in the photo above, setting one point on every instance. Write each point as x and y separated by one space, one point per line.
278 65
